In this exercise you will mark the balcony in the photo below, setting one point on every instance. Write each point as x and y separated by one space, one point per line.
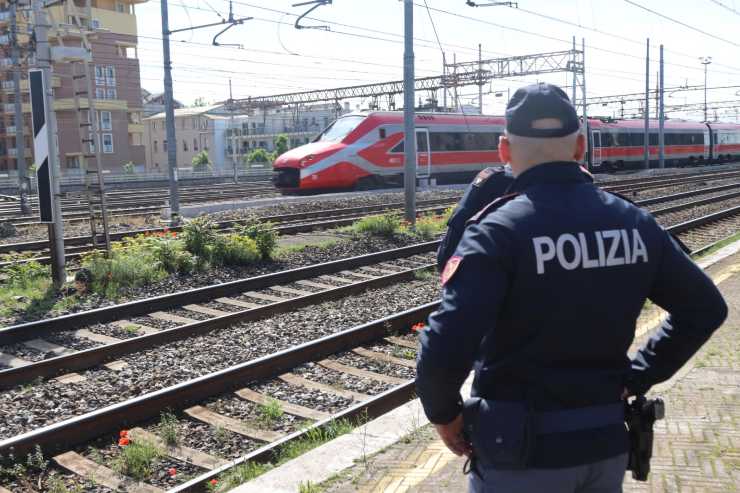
13 152
4 16
5 38
6 62
9 107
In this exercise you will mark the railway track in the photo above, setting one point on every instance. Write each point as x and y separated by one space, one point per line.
285 224
118 330
381 352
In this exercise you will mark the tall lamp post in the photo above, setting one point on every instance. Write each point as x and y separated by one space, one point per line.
705 60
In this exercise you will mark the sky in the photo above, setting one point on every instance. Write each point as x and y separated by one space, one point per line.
364 44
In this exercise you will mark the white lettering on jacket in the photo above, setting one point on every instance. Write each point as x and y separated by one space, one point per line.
613 247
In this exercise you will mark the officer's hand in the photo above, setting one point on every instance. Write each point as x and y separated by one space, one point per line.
452 436
625 394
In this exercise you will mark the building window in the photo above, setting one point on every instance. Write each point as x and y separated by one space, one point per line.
156 146
194 123
164 145
95 23
72 162
121 8
108 143
99 75
110 75
106 123
112 93
195 144
93 140
185 145
99 93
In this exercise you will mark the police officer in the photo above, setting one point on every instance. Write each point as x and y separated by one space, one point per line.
541 297
489 185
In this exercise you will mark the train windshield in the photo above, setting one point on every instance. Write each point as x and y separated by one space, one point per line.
339 129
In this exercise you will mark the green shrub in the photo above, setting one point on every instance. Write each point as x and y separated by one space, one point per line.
234 249
22 273
129 168
202 162
259 155
428 227
263 234
198 234
137 460
385 225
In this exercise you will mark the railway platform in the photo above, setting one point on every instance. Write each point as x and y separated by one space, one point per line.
697 446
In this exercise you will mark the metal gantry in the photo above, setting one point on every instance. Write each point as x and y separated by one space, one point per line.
467 74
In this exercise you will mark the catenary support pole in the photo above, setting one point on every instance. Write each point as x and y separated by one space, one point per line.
444 83
169 109
43 61
24 185
646 144
661 114
480 75
409 130
575 75
232 109
589 162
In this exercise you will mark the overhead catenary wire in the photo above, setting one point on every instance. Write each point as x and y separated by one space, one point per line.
726 7
688 26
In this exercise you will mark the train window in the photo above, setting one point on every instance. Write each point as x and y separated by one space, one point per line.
381 133
340 128
607 140
653 139
398 147
421 142
463 141
637 140
597 140
622 139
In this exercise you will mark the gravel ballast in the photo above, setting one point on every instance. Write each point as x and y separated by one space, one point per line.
27 408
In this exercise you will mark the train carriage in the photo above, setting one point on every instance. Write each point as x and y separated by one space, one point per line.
366 150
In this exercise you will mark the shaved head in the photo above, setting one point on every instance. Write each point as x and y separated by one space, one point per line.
523 153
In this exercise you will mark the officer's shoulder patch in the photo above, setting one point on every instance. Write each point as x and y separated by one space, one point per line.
450 268
492 207
484 175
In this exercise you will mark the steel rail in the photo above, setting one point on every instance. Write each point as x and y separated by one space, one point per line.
31 330
668 182
279 218
683 195
80 429
695 203
704 220
370 409
88 358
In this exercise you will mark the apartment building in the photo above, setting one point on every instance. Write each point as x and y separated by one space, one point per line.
196 130
111 31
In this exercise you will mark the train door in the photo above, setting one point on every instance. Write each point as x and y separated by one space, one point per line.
596 147
423 153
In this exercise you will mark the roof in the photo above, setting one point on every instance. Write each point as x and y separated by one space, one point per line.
194 111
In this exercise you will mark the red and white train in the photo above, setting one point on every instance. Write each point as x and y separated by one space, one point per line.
366 150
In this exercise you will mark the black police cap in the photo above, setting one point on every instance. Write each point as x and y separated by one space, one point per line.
538 101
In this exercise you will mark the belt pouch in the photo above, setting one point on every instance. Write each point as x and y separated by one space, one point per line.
499 431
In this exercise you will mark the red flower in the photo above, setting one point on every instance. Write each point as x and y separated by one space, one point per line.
214 482
172 472
123 434
418 327
122 442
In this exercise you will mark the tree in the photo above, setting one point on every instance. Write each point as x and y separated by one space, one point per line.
201 162
281 145
199 102
258 155
128 168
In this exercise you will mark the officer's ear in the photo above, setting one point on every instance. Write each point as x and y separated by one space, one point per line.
504 149
580 147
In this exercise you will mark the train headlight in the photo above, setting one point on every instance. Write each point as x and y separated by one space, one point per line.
306 160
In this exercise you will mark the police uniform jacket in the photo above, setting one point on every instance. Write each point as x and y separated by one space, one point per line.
541 298
490 184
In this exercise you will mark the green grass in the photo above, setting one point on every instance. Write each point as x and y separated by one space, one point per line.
287 250
137 459
425 275
312 439
37 298
385 225
168 429
308 487
720 244
269 413
403 353
131 329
